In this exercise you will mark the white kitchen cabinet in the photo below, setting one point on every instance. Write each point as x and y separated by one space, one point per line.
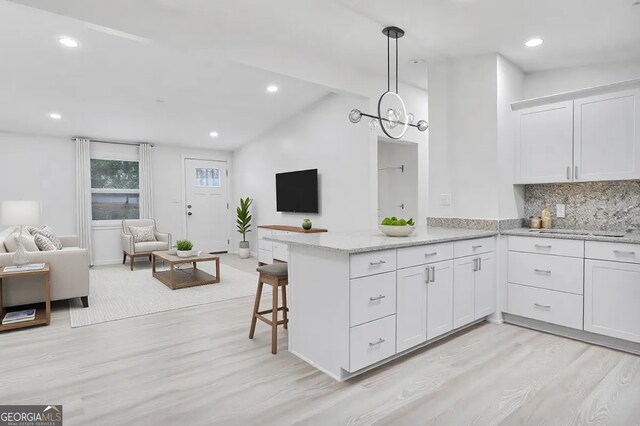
544 144
463 290
411 307
439 299
485 293
607 136
611 298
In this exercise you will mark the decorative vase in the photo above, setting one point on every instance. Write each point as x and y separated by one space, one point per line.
306 224
243 250
184 253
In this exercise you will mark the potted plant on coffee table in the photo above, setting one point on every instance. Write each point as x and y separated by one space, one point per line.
185 248
243 222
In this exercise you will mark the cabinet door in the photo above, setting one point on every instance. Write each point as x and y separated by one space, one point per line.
485 293
411 307
611 295
463 291
544 148
440 299
607 137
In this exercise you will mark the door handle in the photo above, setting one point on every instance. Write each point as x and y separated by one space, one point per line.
479 264
575 174
373 299
190 214
542 271
624 252
477 246
475 265
379 262
428 270
433 274
189 206
433 253
380 340
568 172
542 246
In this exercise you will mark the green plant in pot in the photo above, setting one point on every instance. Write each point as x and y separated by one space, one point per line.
306 224
185 248
243 223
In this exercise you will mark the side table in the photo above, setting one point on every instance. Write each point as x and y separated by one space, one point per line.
43 315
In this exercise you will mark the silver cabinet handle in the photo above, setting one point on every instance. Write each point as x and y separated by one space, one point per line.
379 297
542 271
624 252
428 275
475 265
542 246
433 273
477 247
380 340
568 172
479 264
379 262
433 253
575 174
544 307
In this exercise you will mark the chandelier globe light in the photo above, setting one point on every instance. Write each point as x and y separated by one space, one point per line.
392 115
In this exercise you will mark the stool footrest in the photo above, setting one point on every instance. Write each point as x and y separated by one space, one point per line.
263 319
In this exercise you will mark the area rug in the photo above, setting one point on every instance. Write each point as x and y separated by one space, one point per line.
117 293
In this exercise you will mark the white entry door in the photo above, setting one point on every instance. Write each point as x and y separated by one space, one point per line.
207 208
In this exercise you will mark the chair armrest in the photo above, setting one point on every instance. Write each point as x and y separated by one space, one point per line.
164 237
127 243
69 240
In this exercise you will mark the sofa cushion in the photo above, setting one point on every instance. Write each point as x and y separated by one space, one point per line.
3 236
11 242
49 234
43 243
142 234
149 246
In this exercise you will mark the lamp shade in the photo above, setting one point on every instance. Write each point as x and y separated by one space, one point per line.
20 212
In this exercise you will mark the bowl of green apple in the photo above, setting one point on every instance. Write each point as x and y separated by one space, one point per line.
394 227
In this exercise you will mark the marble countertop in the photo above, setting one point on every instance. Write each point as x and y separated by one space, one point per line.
373 240
573 234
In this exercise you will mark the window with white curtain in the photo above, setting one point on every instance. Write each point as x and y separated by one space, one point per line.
115 189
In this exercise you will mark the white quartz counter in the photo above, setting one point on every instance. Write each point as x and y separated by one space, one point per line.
373 240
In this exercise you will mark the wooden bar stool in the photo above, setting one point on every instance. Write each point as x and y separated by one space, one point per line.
275 275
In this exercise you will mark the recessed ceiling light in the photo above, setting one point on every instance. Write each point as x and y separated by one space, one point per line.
272 89
55 116
68 42
416 61
534 42
213 134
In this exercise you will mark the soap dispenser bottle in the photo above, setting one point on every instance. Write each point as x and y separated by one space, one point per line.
546 217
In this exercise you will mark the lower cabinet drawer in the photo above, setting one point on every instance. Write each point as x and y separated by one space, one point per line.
546 305
375 262
546 271
372 342
281 251
371 298
264 244
472 247
618 252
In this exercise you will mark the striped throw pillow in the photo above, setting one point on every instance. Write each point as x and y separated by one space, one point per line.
142 234
47 232
43 243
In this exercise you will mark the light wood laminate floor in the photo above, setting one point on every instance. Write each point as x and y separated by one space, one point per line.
196 366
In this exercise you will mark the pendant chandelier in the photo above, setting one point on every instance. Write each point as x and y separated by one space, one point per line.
392 115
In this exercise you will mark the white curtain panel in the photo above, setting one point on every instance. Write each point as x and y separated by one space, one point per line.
146 182
83 193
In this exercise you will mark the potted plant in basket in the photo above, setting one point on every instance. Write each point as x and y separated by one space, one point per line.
243 223
184 247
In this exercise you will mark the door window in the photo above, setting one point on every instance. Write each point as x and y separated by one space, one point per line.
207 177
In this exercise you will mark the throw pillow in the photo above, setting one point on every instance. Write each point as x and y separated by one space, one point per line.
142 234
11 243
43 243
49 234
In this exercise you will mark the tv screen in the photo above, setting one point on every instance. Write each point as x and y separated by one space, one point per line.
297 191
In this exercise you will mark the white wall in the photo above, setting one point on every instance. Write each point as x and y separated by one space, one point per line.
560 80
321 137
396 187
510 88
40 168
462 142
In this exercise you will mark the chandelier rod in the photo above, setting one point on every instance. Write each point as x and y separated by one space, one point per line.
388 64
396 65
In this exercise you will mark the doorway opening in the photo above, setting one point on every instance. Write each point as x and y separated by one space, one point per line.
397 179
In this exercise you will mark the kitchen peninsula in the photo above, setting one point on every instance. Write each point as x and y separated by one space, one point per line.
360 299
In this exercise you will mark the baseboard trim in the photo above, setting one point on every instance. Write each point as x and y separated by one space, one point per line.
570 333
107 262
495 321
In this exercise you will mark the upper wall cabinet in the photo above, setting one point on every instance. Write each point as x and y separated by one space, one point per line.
588 138
606 136
544 152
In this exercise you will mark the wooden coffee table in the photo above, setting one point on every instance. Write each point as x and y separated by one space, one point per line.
177 277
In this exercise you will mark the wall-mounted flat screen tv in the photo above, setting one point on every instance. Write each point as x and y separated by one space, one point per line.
297 192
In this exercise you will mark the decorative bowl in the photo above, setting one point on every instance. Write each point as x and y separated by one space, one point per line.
397 231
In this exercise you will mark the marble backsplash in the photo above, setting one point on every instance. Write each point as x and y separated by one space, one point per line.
593 206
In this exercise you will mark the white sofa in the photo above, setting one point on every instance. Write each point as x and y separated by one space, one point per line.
69 275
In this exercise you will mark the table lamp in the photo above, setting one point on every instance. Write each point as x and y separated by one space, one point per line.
20 213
